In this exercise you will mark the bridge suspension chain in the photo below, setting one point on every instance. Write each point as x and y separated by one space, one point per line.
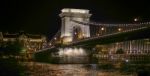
100 29
102 24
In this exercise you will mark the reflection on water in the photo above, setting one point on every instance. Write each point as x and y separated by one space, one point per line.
73 52
76 55
77 70
72 55
42 69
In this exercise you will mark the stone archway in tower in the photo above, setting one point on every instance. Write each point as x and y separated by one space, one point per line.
77 33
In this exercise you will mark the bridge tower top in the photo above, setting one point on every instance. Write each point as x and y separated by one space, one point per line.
70 12
68 27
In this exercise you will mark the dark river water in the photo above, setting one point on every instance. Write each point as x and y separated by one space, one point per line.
43 69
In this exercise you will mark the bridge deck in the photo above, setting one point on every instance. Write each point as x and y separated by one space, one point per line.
124 36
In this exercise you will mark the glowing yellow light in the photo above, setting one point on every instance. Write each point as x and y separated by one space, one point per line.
102 28
67 39
83 34
72 52
75 33
119 29
135 19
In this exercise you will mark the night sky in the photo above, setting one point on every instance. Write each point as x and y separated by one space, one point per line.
42 17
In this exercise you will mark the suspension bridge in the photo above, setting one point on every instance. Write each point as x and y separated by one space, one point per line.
78 30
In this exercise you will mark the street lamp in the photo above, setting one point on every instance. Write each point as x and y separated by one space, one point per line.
126 60
55 38
119 29
50 44
136 19
75 33
102 28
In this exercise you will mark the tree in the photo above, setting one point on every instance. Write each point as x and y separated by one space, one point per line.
9 66
11 48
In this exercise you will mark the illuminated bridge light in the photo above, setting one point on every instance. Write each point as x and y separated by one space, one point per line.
135 19
50 44
71 52
75 33
102 28
55 38
119 29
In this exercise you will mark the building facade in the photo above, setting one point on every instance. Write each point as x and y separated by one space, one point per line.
30 42
134 51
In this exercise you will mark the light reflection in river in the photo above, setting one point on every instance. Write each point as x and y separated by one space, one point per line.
71 52
69 70
72 55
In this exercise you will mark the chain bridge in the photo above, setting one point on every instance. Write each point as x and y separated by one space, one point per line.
78 30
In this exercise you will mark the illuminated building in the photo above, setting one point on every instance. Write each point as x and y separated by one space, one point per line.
131 51
31 43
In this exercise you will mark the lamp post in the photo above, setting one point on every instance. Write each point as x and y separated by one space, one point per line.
119 29
55 38
135 19
102 30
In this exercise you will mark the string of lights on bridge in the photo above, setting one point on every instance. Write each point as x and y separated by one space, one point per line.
102 24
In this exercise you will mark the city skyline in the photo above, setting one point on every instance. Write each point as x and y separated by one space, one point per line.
43 15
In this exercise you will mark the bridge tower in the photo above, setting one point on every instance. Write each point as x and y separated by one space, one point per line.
68 26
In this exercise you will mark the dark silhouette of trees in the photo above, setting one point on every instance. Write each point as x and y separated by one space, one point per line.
9 63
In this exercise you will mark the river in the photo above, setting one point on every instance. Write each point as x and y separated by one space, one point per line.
44 69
